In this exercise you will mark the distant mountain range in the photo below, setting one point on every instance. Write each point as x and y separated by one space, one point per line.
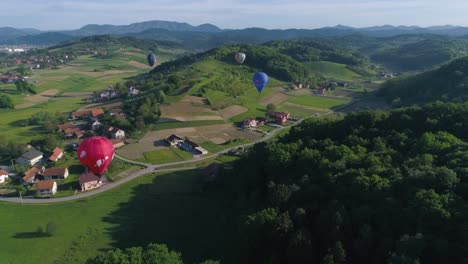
208 35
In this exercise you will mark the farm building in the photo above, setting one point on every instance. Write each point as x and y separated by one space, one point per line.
46 187
191 146
174 140
89 181
55 173
30 157
57 154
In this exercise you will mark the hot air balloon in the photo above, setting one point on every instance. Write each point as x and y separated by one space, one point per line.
240 57
151 59
260 80
96 153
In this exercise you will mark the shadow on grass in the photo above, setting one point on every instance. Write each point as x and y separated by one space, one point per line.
177 210
29 235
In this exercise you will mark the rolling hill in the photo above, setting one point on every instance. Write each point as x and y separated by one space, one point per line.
448 83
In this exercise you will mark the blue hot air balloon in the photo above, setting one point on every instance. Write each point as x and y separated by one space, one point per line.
151 59
260 80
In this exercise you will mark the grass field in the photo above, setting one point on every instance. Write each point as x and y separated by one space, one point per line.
169 208
332 70
317 101
165 156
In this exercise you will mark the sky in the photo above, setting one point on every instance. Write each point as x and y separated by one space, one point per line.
232 14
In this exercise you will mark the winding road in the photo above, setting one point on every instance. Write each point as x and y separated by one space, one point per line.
150 168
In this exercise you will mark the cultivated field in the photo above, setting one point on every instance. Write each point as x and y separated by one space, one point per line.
38 98
190 108
217 134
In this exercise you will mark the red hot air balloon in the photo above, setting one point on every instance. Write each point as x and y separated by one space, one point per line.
96 153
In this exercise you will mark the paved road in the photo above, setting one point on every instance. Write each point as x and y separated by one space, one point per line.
149 169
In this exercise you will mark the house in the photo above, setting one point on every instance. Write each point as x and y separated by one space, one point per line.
282 117
118 142
174 140
133 91
63 127
55 173
296 86
261 121
116 132
79 134
57 154
46 187
94 124
87 113
249 123
320 90
30 176
30 157
212 171
89 181
3 176
70 132
342 84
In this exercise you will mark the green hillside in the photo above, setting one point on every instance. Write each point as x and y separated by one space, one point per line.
406 52
307 50
447 83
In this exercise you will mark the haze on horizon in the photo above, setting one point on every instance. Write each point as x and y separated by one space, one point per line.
233 14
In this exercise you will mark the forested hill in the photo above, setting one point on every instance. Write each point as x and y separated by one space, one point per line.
375 187
108 41
260 58
306 50
448 83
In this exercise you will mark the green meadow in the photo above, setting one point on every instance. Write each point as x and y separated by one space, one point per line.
169 208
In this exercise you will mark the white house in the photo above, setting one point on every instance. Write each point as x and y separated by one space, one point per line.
30 157
3 176
46 187
116 132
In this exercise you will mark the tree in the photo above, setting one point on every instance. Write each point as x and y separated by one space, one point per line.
6 101
21 190
271 108
159 253
161 96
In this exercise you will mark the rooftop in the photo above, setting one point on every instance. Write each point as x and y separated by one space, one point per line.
45 185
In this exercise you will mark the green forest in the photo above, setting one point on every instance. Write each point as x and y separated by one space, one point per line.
447 83
374 187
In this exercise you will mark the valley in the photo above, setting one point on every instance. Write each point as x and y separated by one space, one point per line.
201 154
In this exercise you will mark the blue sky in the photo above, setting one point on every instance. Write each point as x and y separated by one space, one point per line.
72 14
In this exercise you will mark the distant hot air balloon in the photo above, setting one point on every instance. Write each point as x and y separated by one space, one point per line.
151 59
96 153
260 80
240 57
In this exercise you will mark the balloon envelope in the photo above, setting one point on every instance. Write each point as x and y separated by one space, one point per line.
96 153
151 59
240 57
260 80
